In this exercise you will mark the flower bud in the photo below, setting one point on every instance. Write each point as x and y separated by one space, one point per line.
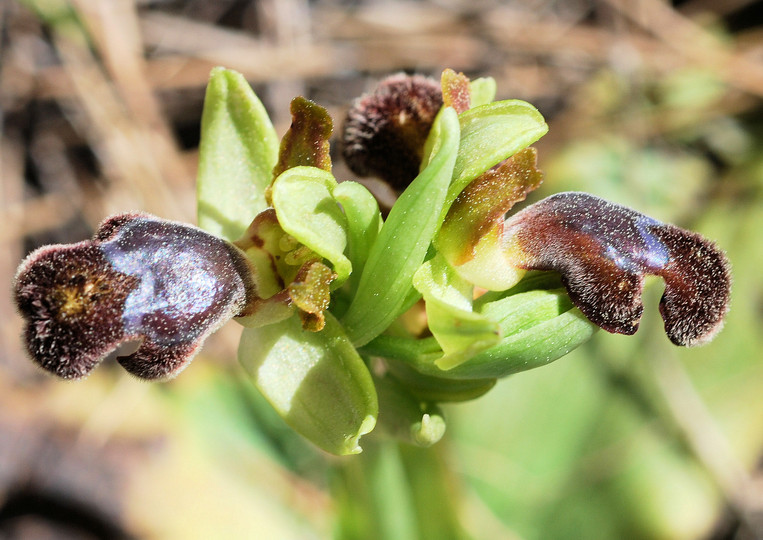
316 381
164 283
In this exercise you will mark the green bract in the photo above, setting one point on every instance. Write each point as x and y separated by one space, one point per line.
406 417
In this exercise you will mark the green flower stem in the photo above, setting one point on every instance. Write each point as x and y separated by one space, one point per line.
416 352
437 389
396 492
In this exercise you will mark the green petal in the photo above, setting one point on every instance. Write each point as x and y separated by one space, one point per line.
316 381
404 238
237 152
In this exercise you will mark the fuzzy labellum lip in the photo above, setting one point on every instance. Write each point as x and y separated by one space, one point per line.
385 131
166 284
604 251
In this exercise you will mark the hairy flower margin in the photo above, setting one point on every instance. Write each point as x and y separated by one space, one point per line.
333 296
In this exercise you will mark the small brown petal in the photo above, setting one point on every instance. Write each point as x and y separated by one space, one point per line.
482 205
307 140
456 91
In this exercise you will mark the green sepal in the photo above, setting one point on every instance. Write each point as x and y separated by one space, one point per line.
536 346
316 381
306 209
489 134
237 152
405 237
538 327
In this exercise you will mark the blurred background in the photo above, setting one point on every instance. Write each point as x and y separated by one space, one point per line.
653 104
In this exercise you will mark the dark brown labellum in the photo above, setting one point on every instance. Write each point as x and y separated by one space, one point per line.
164 283
385 131
604 251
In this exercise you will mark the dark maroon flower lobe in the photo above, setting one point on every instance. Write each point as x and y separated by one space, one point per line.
604 250
164 283
385 131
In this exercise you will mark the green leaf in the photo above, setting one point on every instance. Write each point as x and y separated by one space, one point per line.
316 381
306 209
237 152
491 133
404 238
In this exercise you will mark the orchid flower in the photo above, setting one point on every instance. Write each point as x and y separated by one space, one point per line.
326 288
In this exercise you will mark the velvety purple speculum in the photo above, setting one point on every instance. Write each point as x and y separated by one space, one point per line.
604 250
164 283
